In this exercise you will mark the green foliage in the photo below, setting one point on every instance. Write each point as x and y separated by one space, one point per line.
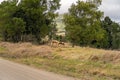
7 9
29 16
83 26
112 32
16 29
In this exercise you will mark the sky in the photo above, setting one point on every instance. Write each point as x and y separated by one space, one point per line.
110 8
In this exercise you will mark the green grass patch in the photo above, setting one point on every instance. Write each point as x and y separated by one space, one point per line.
2 49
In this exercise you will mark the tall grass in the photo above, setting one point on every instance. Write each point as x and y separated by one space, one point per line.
81 62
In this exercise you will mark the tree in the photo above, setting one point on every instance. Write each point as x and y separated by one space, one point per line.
35 16
16 30
38 15
83 24
112 31
7 9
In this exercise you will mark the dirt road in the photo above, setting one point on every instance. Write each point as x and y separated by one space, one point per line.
14 71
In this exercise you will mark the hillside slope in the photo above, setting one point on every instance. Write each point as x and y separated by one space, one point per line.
81 62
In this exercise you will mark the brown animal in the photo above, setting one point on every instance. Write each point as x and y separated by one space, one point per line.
54 43
61 44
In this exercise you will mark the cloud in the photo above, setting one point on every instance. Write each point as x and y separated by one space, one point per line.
1 0
65 4
111 8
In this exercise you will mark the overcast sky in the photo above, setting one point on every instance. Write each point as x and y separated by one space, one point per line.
109 7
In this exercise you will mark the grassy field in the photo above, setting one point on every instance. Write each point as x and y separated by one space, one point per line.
81 62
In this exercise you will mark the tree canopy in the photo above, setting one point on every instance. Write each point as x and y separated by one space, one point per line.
31 17
83 25
112 31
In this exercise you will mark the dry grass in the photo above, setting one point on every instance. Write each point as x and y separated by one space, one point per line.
86 53
19 50
82 62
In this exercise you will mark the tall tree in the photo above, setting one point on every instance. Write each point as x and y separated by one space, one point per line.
112 31
16 29
83 24
37 16
7 9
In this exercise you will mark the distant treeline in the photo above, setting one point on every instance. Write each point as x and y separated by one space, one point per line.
32 20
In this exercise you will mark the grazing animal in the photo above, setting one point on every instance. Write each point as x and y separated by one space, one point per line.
54 43
61 43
